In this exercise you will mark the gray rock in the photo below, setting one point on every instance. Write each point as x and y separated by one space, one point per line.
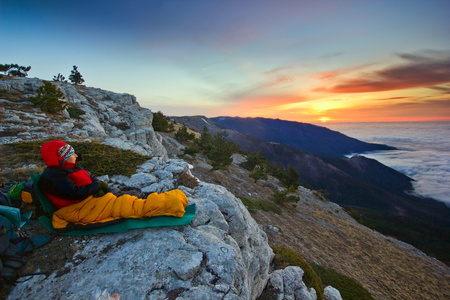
163 174
330 293
208 259
273 228
140 180
287 284
159 187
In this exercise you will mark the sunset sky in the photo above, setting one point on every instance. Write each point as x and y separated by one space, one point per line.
304 60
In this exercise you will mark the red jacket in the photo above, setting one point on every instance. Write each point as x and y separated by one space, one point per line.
64 183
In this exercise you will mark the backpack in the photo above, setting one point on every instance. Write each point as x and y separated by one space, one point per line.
17 206
24 196
11 258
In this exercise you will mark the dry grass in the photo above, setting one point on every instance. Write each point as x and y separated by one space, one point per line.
178 126
385 268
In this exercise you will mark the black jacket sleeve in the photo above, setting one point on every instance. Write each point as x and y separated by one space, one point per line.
55 181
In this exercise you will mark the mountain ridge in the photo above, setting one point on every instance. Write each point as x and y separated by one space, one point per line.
303 136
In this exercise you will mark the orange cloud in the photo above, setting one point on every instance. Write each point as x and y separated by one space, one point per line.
336 73
419 72
266 105
409 110
269 101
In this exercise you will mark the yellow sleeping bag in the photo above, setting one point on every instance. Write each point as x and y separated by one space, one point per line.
110 207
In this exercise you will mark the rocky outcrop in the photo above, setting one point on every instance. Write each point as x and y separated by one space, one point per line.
115 119
223 254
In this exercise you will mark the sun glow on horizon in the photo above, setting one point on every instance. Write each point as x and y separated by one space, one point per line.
324 119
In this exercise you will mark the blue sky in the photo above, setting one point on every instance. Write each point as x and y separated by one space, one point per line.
295 60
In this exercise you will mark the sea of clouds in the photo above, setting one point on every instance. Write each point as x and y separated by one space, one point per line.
423 155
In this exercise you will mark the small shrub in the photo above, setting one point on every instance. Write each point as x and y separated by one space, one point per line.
258 173
322 194
349 288
254 205
161 123
48 98
283 196
251 205
97 158
59 77
285 257
183 135
269 206
103 159
191 150
355 214
11 95
75 112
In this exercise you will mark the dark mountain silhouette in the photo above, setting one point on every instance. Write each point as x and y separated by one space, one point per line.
307 137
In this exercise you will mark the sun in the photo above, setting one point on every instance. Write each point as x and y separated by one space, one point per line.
324 119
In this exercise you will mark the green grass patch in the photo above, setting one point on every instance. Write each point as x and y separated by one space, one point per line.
254 205
75 112
99 159
349 288
285 257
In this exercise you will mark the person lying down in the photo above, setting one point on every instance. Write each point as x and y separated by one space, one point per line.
81 199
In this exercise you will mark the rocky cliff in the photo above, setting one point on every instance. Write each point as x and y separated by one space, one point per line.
223 254
116 119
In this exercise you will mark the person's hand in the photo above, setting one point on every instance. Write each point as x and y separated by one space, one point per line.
99 193
103 189
103 185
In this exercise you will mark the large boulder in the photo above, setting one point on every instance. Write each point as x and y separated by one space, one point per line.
222 254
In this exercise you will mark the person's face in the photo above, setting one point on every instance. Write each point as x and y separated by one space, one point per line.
72 159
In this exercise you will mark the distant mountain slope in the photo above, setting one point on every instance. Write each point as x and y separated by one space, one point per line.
380 195
307 137
357 182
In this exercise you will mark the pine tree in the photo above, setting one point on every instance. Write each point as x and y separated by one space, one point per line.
15 70
75 76
220 154
59 77
254 159
290 177
205 143
258 173
4 68
48 98
161 123
183 134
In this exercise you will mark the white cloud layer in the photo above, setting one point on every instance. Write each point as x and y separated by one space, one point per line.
424 153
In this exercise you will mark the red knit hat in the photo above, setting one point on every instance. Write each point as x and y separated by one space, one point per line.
55 153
